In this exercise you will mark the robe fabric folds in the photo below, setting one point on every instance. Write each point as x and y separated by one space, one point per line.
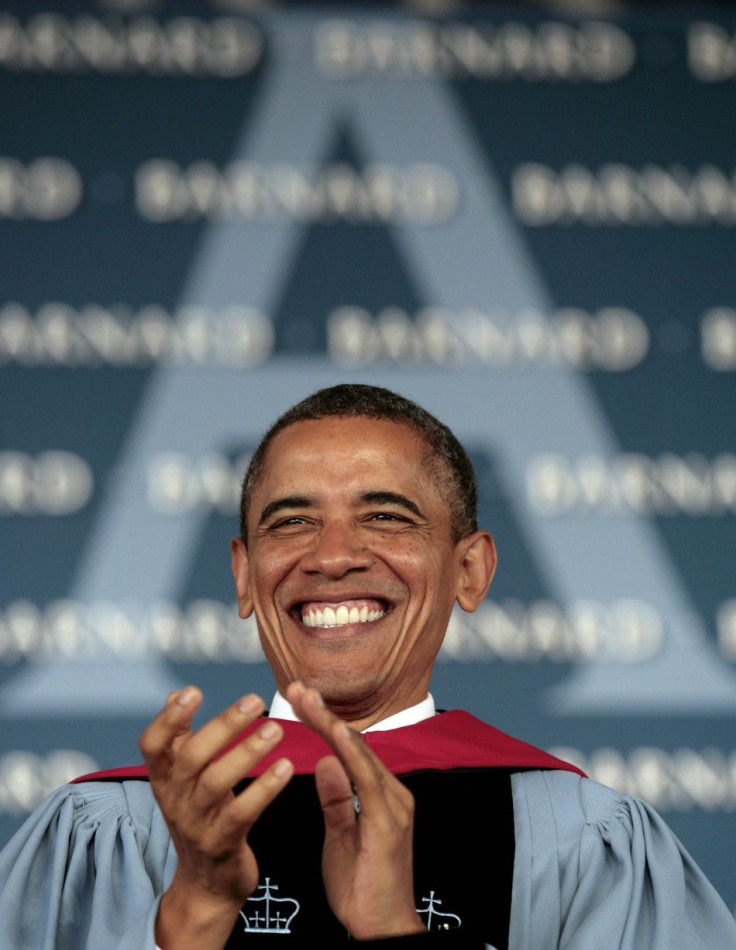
513 848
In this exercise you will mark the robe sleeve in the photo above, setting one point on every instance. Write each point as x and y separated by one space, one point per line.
597 869
86 870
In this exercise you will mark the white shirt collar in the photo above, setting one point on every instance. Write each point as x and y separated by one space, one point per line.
281 709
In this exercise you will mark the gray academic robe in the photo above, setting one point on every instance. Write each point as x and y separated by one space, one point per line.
589 868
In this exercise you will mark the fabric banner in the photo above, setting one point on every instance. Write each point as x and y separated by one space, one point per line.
523 219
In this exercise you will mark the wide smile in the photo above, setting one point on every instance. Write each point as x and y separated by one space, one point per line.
330 614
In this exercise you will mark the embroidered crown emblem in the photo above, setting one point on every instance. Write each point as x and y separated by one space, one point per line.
436 919
264 913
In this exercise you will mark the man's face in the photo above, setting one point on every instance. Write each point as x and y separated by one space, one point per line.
351 567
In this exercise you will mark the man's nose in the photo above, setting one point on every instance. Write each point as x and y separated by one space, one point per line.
337 549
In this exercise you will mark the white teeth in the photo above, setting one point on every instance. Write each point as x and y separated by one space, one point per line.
331 617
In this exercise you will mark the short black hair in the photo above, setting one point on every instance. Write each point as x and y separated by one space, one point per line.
445 456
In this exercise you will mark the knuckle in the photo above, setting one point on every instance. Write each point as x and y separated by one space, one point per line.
231 718
148 745
406 821
186 757
407 799
209 783
232 825
374 784
209 846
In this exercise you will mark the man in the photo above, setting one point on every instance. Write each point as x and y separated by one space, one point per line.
353 812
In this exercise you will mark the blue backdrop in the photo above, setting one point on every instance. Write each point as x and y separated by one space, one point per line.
523 220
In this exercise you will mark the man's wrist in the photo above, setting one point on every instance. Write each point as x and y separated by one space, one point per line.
190 919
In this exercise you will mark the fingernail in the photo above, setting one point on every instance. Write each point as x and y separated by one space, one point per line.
250 703
281 768
187 696
318 698
268 730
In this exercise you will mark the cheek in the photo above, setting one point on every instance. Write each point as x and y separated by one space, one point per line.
421 567
271 569
265 579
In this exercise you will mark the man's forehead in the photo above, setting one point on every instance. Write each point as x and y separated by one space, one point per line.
369 453
315 436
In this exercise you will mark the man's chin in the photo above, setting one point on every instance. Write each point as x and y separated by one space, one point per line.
347 693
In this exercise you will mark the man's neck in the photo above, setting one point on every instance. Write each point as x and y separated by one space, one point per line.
281 709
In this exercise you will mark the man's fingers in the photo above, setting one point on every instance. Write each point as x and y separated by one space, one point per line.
208 741
248 806
335 791
169 746
310 708
379 793
221 775
370 780
228 825
175 719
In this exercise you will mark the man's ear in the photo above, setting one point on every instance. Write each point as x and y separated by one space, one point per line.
477 567
241 576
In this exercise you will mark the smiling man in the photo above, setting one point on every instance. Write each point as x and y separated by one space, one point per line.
352 563
354 811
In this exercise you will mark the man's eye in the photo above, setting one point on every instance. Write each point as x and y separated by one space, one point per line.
287 522
387 516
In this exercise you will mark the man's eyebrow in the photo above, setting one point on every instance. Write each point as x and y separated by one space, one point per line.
290 501
392 498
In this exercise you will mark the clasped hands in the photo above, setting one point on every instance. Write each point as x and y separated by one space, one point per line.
367 865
